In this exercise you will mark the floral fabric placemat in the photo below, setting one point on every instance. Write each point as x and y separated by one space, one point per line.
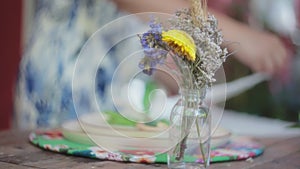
237 148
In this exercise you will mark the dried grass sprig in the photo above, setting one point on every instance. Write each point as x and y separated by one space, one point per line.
199 10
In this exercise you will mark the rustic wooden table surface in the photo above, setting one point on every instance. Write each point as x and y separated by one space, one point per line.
17 152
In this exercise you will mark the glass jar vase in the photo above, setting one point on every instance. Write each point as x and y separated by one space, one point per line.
190 131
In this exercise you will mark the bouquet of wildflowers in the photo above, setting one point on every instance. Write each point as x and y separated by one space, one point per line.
193 41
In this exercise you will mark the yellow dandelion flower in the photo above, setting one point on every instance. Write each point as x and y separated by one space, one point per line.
181 43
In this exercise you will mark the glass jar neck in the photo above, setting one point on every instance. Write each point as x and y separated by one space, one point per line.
193 93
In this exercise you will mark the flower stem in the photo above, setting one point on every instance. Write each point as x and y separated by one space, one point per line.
185 132
182 148
200 142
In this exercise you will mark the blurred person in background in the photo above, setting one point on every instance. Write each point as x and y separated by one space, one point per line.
60 29
44 94
277 98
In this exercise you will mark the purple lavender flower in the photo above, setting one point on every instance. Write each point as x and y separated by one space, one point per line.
152 38
148 65
153 48
155 27
153 57
151 52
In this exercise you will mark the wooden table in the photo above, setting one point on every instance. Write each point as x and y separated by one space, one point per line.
17 152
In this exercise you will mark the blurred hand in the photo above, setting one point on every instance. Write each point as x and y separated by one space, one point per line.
261 51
